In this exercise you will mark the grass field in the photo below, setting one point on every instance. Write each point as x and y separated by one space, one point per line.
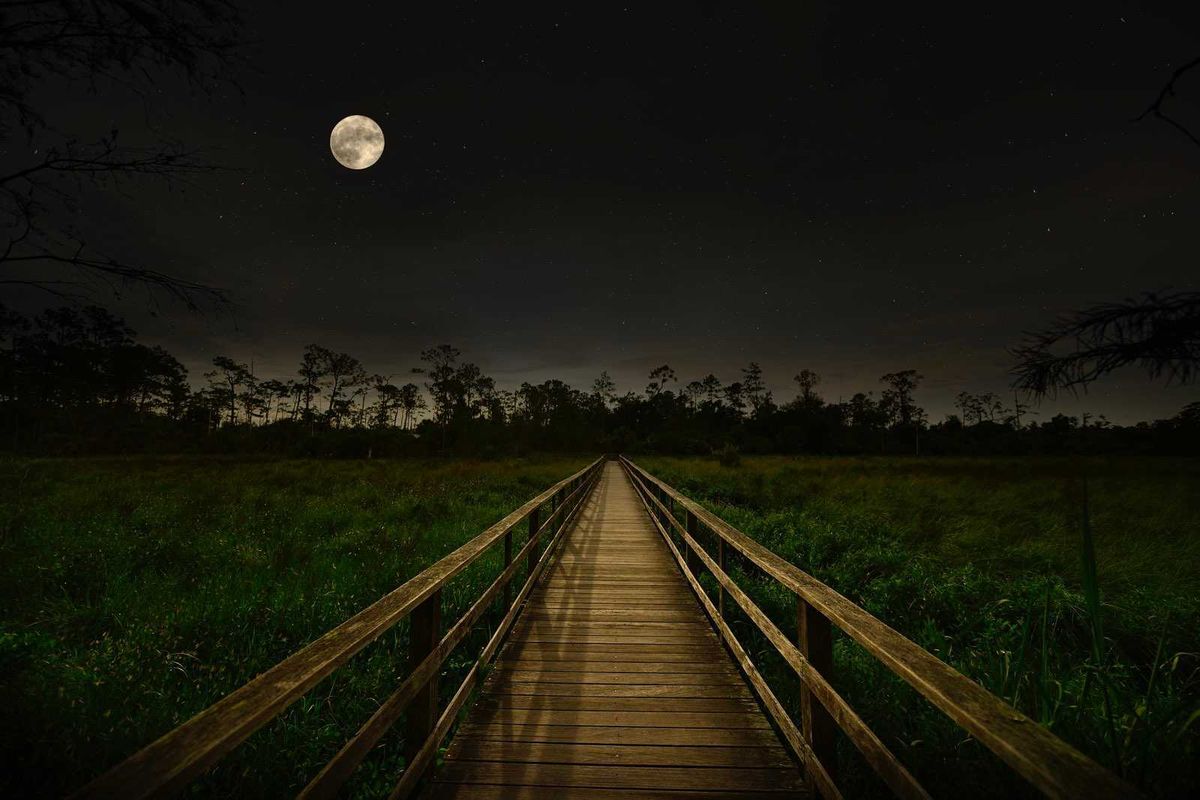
135 592
979 561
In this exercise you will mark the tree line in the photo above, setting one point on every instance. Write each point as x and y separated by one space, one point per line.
75 379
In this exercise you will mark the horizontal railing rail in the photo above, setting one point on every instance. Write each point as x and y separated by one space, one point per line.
178 757
1048 763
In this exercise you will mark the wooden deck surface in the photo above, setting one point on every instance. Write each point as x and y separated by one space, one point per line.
613 683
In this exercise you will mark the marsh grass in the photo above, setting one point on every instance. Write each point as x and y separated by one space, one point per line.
1079 604
136 592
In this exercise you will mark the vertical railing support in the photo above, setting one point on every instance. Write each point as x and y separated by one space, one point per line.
694 564
721 564
815 640
534 516
661 510
424 633
507 561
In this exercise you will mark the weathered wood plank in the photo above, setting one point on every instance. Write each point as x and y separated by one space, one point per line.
693 690
476 748
665 706
655 672
623 777
615 734
623 719
463 791
628 651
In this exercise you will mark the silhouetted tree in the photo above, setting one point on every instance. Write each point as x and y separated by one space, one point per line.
660 378
338 374
754 388
226 384
808 381
274 393
442 384
604 390
411 401
309 385
897 402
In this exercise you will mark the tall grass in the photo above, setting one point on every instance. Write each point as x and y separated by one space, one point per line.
136 592
1079 605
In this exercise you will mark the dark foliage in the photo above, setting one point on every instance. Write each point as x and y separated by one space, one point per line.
76 381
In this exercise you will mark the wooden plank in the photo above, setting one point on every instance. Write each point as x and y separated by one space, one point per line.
627 651
610 646
649 705
614 632
622 777
632 601
610 734
629 673
463 791
682 619
693 690
623 719
478 748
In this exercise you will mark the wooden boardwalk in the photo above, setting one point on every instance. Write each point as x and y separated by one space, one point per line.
612 680
613 683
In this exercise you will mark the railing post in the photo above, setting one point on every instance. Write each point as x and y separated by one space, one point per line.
815 640
694 564
721 564
425 630
507 561
534 516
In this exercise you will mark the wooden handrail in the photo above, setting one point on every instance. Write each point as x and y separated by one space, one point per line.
882 760
173 760
414 770
1047 762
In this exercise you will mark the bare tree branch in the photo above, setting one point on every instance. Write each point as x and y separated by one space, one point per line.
127 42
123 41
1156 108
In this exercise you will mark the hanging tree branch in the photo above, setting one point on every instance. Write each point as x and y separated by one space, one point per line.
1160 333
130 43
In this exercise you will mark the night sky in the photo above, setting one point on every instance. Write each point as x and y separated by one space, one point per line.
562 192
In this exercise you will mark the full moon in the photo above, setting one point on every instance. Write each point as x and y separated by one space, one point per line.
356 142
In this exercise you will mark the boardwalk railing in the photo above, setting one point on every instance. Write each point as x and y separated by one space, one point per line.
168 764
1047 762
